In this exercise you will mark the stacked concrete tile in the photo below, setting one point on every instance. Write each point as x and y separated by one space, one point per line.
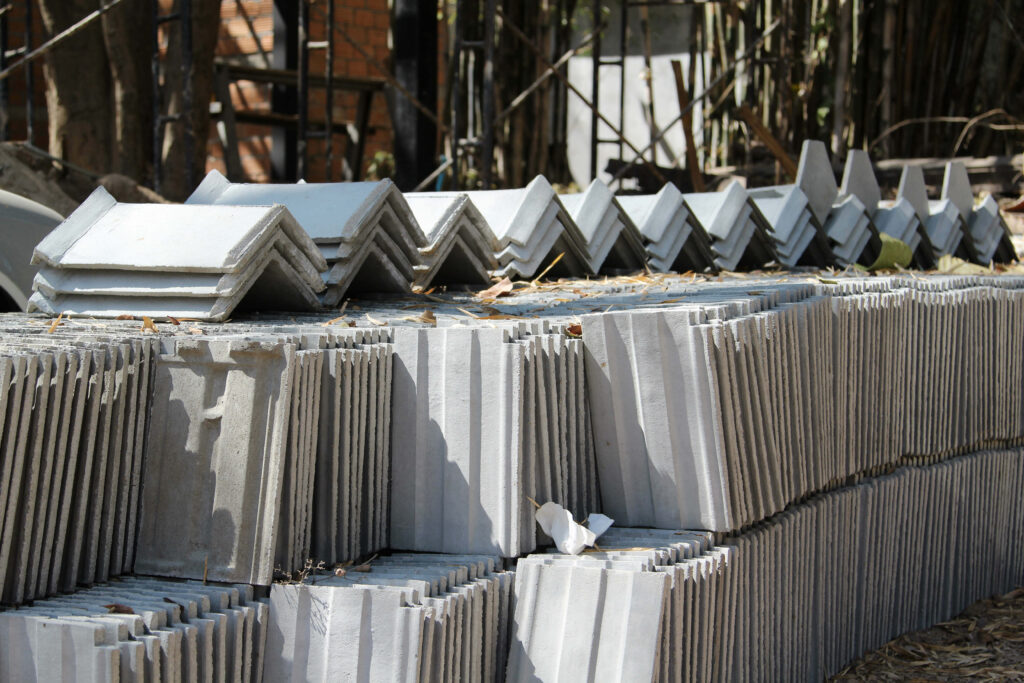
472 438
846 221
281 442
618 613
532 228
897 218
406 618
109 259
740 234
72 424
888 555
351 487
217 444
945 222
614 243
991 235
460 245
364 230
892 555
731 408
674 239
799 237
137 629
985 238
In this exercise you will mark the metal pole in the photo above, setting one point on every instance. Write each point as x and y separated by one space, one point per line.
30 109
4 93
595 68
301 104
158 124
487 113
329 95
187 95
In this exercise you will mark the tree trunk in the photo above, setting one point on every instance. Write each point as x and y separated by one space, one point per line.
129 46
78 86
205 26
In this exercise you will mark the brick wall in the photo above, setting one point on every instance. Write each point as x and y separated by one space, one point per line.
365 21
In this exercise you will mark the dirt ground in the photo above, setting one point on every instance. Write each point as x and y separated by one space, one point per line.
984 643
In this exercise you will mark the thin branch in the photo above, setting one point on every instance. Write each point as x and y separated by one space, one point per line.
60 37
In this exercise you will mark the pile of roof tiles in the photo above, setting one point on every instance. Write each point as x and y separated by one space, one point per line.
73 411
283 438
794 597
485 417
414 617
303 246
727 409
137 629
283 453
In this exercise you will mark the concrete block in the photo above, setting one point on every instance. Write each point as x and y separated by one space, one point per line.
585 623
230 420
460 245
815 178
738 231
613 241
675 240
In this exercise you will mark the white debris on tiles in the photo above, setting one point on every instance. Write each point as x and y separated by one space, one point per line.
257 255
674 239
137 629
460 245
365 230
614 243
740 235
411 617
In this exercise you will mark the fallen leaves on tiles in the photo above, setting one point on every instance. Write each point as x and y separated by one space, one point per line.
951 265
502 288
147 324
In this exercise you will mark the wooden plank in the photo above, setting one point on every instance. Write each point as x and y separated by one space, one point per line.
788 165
696 177
229 140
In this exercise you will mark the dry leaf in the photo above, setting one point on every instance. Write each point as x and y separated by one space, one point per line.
574 330
503 288
428 317
117 608
333 320
471 315
125 316
174 321
147 324
374 321
195 330
55 323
